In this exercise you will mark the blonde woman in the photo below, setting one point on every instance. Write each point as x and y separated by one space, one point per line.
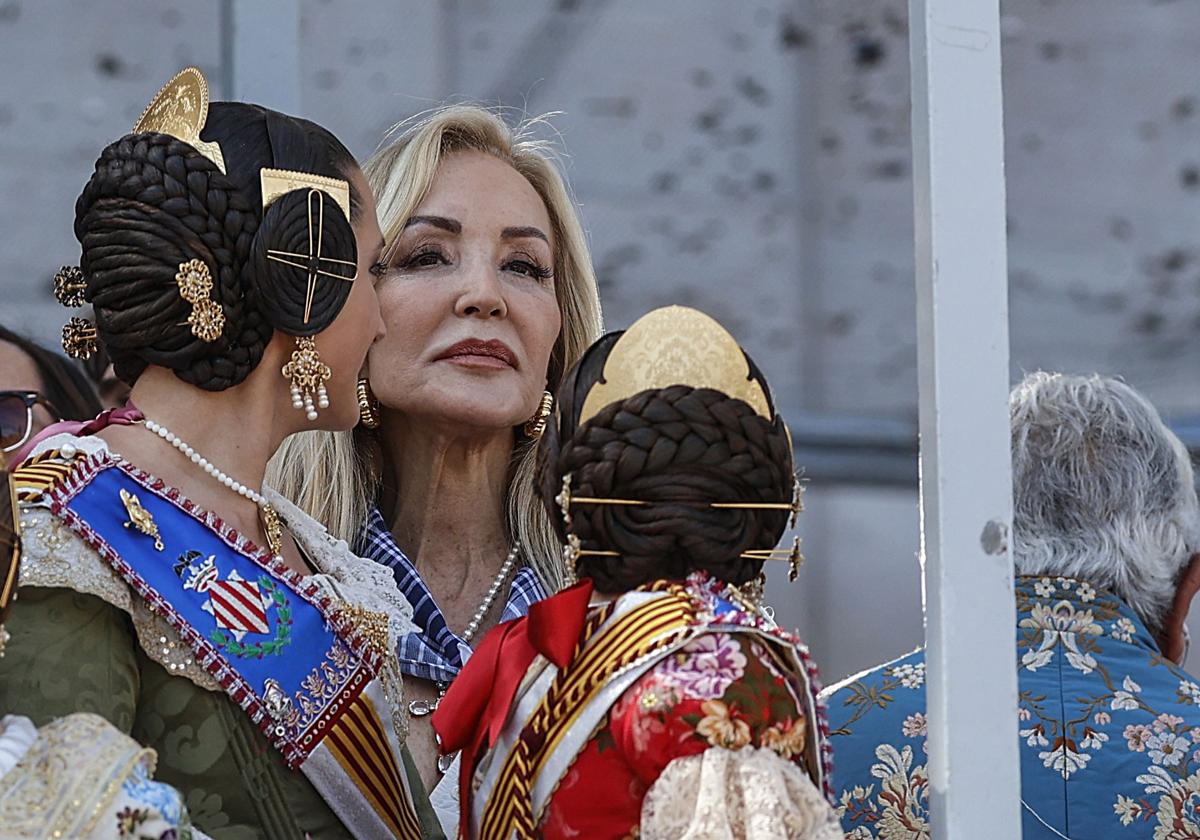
488 298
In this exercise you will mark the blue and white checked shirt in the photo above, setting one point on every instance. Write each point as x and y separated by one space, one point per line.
435 653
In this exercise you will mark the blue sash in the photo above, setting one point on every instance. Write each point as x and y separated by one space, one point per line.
266 635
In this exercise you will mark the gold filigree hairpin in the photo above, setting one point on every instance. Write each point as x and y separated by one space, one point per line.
79 338
69 286
180 110
195 287
675 345
276 183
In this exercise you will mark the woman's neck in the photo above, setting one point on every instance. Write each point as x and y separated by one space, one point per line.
236 430
447 497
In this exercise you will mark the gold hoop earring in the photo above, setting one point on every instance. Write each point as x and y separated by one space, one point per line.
368 405
195 286
535 427
308 375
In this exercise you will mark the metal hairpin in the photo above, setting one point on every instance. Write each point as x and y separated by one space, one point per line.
312 261
574 548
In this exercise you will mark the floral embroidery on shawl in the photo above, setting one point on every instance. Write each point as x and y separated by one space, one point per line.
1092 684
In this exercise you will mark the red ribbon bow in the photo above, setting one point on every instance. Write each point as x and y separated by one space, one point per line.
472 714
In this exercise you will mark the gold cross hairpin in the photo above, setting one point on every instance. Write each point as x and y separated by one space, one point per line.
314 259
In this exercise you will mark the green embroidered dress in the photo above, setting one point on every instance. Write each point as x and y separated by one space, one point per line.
84 641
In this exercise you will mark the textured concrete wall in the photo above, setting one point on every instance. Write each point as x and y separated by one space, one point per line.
749 158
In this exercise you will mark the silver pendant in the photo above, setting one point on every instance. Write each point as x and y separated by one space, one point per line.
444 762
421 708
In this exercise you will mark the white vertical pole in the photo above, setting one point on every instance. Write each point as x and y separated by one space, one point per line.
966 484
262 53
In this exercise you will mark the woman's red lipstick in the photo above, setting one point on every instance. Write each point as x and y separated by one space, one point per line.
476 353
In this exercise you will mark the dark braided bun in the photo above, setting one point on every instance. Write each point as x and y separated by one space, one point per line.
681 447
154 202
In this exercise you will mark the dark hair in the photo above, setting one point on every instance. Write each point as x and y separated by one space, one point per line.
680 448
154 202
63 383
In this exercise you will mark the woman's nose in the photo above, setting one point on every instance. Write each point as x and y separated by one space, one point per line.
482 295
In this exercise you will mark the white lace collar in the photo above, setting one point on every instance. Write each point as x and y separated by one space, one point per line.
348 577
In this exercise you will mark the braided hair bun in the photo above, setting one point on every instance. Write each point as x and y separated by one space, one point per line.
679 448
154 202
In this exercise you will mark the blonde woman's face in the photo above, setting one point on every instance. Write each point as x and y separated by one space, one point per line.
469 300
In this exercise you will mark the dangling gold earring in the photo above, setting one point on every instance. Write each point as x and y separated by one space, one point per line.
368 406
535 427
308 375
570 557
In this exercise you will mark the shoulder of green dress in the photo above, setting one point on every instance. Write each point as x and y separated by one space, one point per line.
52 555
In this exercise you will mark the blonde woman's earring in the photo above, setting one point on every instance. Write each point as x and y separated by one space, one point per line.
368 406
535 426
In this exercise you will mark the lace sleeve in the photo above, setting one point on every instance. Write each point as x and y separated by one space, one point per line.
79 776
745 794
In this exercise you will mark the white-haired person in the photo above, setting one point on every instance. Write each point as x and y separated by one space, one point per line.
1106 530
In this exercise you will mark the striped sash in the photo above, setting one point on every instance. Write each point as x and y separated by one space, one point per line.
656 625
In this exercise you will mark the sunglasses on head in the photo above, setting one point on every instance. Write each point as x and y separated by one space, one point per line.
16 417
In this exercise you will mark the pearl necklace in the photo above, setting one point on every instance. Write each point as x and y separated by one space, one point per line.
492 592
271 521
420 708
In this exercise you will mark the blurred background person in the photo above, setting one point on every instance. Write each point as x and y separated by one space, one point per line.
1106 535
38 387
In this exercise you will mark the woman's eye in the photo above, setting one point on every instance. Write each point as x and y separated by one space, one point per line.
425 259
528 269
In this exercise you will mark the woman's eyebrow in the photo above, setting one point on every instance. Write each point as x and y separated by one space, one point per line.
449 225
523 233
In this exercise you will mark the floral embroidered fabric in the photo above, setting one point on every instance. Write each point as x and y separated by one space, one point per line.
1109 729
720 690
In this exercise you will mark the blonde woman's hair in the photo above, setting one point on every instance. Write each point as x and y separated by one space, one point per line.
333 475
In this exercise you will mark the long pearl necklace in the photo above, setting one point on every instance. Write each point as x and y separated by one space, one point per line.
271 521
420 708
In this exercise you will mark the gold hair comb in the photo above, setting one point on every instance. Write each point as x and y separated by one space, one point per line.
675 345
277 183
180 110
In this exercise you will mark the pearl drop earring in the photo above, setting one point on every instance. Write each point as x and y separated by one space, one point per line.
308 375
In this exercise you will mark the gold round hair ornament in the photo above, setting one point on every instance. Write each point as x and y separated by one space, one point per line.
675 345
180 110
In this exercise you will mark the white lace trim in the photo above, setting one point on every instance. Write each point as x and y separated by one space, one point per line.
362 582
746 794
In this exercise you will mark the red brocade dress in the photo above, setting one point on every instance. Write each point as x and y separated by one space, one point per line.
671 712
